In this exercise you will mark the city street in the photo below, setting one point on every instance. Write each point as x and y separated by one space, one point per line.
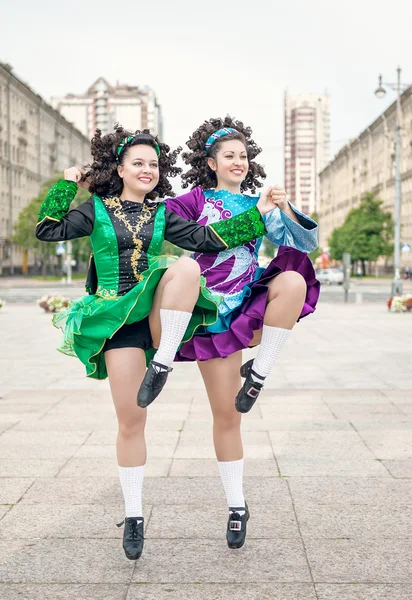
99 154
328 470
23 290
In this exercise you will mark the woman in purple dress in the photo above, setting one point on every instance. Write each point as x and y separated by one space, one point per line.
258 306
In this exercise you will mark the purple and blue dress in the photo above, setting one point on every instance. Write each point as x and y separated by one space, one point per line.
235 277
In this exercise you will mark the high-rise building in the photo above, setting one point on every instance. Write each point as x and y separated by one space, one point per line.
307 147
103 105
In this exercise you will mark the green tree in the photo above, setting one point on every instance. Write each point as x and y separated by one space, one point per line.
269 248
339 242
366 234
24 230
314 255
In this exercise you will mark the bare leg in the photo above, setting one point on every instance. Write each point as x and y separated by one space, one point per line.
126 368
222 381
173 306
287 292
286 296
178 290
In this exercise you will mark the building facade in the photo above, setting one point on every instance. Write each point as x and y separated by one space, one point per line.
306 147
36 142
367 164
103 105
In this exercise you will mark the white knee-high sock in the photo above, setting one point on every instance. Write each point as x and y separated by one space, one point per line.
231 473
273 340
131 480
174 324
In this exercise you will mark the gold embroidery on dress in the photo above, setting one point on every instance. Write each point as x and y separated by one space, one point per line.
106 294
144 217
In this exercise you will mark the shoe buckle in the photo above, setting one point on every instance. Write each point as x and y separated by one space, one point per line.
235 525
253 392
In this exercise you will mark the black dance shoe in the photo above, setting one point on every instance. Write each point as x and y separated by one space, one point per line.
250 390
133 537
153 383
236 527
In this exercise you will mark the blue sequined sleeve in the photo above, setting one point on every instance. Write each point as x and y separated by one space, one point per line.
284 231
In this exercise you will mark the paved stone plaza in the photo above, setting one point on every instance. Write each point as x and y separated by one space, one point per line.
328 473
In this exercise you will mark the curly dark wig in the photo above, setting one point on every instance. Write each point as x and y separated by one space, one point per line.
102 173
201 174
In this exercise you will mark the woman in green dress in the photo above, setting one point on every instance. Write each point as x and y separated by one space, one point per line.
108 330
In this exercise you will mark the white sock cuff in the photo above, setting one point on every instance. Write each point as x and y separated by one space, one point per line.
231 464
131 470
168 313
279 330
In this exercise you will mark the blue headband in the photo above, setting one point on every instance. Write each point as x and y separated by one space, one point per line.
218 134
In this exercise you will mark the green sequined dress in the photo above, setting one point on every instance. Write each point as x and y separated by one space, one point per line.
126 238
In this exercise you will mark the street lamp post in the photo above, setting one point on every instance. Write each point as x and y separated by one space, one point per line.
380 92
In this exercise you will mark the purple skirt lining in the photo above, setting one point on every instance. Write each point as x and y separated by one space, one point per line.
248 318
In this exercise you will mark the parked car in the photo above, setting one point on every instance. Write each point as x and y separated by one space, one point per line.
330 276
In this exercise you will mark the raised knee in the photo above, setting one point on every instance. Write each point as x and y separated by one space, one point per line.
190 267
293 281
297 281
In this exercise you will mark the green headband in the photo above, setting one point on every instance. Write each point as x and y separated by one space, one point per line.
129 139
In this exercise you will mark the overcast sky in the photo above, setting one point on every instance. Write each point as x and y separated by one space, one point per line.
211 58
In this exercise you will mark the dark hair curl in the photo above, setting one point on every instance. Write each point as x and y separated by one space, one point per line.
102 173
201 174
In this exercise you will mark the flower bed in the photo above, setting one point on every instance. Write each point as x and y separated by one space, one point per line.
400 303
53 304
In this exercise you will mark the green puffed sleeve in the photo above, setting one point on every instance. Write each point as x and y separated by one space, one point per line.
57 202
243 228
210 239
57 222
